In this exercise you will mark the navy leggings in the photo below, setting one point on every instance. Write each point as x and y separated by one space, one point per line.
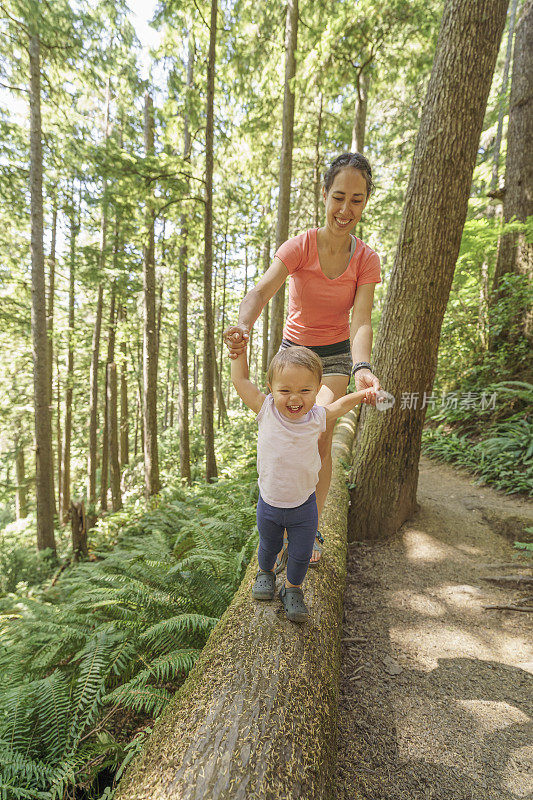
301 524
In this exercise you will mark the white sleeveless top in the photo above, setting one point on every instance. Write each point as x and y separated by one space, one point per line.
288 461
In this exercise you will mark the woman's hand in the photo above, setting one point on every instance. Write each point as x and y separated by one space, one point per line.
365 379
236 338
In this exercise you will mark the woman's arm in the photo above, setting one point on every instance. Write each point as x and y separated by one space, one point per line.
361 335
236 336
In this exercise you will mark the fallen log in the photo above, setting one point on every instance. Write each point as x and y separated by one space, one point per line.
257 715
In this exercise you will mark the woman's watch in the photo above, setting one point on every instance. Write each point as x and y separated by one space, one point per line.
361 365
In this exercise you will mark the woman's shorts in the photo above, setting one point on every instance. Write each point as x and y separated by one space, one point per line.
336 358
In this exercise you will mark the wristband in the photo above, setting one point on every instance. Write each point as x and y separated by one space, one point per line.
361 365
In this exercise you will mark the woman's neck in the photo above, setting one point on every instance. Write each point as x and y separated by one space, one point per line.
333 244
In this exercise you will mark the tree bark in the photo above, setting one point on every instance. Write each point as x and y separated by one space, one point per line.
69 382
209 340
359 124
385 470
112 427
515 254
246 723
277 306
79 530
43 425
151 455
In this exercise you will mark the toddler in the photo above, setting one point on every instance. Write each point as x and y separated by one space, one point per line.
288 463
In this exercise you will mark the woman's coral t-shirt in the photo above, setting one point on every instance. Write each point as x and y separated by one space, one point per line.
319 307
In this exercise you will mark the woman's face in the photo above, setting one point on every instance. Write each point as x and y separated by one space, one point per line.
345 201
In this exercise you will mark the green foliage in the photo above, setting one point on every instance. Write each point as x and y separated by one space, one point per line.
502 455
115 637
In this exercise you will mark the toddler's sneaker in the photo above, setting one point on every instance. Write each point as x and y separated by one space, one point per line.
264 586
292 598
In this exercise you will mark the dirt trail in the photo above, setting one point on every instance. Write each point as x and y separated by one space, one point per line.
436 692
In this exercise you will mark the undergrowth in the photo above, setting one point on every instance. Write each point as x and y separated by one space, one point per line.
86 665
496 445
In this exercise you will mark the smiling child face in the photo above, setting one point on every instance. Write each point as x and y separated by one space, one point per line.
294 390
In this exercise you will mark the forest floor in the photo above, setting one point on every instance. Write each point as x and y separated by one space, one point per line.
436 692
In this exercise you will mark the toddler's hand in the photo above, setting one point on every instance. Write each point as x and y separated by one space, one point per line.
370 396
236 338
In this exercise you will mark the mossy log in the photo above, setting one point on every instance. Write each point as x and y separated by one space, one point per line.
257 715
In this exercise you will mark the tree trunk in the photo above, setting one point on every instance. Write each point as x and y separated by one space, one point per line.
209 340
502 99
112 427
104 468
223 319
21 505
515 254
359 124
58 432
172 405
151 456
124 422
222 410
385 470
317 177
183 344
69 383
79 530
247 723
93 404
43 426
264 352
277 307
50 333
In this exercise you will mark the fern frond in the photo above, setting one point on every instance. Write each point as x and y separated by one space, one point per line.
148 699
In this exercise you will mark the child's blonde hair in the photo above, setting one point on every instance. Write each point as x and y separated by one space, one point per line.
295 356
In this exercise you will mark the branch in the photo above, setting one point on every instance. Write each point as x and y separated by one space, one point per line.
14 88
179 200
13 19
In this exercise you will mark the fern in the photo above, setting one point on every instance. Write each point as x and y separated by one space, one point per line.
117 635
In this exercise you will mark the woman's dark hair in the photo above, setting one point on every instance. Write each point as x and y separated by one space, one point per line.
355 160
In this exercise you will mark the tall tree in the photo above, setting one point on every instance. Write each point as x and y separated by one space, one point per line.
502 103
50 331
69 382
183 345
151 457
385 470
43 425
277 306
515 253
209 335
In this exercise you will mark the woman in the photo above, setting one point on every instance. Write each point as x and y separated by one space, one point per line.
331 273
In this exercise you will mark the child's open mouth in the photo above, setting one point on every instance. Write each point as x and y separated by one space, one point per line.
294 409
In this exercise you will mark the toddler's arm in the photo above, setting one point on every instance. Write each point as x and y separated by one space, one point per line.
247 391
344 404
